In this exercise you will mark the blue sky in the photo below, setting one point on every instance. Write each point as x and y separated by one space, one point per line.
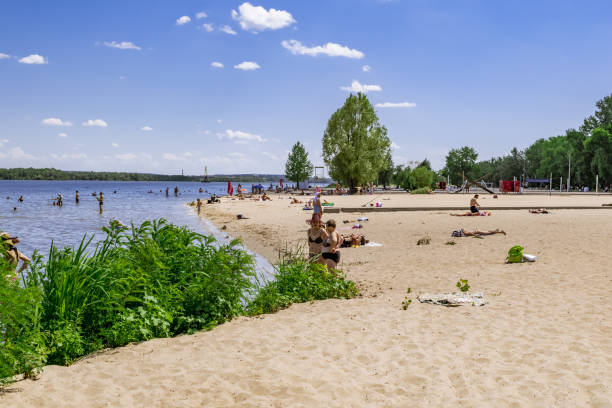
129 85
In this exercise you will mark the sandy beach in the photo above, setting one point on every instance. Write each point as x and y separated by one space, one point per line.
543 340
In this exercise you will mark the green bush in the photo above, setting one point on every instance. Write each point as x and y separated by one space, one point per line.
152 280
422 190
296 281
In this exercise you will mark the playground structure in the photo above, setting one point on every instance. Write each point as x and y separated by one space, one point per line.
480 183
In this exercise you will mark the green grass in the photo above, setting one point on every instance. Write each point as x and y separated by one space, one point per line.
153 280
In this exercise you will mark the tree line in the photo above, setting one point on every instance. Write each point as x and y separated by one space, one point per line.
55 174
357 151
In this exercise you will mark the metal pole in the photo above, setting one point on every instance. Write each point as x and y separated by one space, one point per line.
569 167
597 184
550 184
560 184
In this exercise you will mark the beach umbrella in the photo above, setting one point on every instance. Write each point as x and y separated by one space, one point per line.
230 188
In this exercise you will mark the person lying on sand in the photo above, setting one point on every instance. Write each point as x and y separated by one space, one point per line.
353 240
296 201
471 214
540 211
463 233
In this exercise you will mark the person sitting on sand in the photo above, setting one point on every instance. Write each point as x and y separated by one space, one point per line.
463 233
540 211
329 251
471 214
265 197
12 254
474 206
316 235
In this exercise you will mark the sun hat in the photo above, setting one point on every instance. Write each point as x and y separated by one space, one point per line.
6 237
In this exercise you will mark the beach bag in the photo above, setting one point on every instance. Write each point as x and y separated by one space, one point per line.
515 254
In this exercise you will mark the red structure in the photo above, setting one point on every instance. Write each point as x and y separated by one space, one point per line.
510 186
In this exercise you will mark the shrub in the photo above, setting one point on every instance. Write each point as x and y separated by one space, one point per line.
298 280
422 190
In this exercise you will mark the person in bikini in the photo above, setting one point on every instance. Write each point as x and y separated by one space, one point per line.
316 235
13 255
329 251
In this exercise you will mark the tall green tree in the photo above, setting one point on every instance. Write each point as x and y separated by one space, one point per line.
355 145
385 175
599 148
298 167
461 161
421 177
601 118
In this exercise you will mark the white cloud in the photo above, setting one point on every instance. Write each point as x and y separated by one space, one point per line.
146 128
219 120
4 56
394 145
16 153
95 122
115 145
257 18
172 156
201 14
122 77
34 59
227 30
208 27
65 156
183 20
126 156
216 64
247 66
240 136
357 87
62 135
270 155
396 105
55 122
366 68
123 45
237 154
329 49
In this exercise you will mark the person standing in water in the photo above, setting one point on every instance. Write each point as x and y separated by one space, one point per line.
176 191
76 197
20 199
199 205
60 200
167 191
100 199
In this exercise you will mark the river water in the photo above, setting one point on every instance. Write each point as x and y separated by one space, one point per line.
37 221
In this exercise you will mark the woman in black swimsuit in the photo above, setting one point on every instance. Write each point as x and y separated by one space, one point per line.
330 252
316 236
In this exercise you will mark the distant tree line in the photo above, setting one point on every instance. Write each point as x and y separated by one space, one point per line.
588 150
55 174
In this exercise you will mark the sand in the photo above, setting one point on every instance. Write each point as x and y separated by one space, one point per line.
542 341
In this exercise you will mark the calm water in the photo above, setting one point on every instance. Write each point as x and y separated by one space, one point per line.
37 221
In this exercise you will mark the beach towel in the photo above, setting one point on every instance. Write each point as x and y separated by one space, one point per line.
453 299
373 244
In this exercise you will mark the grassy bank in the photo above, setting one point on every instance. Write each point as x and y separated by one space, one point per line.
155 280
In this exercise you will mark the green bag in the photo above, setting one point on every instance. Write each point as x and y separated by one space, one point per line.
515 254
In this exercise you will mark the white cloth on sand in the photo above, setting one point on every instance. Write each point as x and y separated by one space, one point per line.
453 299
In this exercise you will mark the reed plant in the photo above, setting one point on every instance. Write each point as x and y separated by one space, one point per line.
146 281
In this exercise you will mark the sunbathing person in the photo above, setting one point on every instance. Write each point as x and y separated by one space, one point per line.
296 201
316 235
463 233
353 240
474 206
472 214
265 197
540 211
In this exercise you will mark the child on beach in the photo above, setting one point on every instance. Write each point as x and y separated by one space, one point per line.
329 251
316 234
